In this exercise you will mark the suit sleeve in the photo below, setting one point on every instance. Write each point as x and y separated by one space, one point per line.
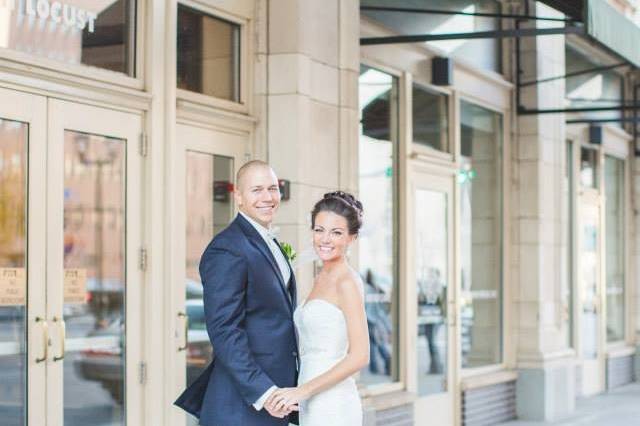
224 278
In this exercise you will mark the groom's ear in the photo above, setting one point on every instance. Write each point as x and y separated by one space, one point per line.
237 196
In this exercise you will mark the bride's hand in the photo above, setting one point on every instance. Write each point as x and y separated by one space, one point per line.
287 398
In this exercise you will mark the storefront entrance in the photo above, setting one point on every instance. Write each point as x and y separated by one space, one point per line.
591 345
210 159
432 269
70 281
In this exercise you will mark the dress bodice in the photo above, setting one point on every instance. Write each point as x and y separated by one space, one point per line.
323 342
322 334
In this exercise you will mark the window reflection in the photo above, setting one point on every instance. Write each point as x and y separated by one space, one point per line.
208 55
481 236
376 248
209 209
13 245
588 168
94 279
431 284
615 250
589 271
96 33
430 119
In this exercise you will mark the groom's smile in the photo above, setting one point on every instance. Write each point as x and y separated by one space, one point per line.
258 194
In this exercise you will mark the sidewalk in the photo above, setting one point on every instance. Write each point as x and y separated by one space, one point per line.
619 407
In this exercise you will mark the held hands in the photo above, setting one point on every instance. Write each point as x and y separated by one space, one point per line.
285 400
278 414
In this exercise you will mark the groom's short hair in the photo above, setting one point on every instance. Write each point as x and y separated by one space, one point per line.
246 167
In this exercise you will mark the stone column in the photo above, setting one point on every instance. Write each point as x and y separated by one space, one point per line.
634 248
546 382
311 108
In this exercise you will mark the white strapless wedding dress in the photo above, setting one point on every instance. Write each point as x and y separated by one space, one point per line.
323 342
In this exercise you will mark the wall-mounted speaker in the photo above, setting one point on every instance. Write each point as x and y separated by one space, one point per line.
595 134
441 71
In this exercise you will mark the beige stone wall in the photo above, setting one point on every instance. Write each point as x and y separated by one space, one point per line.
539 199
306 81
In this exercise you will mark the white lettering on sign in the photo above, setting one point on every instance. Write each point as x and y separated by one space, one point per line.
56 11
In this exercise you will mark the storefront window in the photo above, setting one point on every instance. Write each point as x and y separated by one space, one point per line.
377 246
95 282
430 119
432 266
95 33
14 138
481 236
208 55
615 253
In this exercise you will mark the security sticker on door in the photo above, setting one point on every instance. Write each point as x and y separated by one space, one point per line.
75 286
13 287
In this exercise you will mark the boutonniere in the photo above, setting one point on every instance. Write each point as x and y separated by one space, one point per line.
288 251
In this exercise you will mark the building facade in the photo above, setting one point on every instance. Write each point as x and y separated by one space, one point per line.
499 249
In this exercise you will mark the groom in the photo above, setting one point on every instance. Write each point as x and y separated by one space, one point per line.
249 297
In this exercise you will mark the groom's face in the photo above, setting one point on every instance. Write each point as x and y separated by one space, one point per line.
258 194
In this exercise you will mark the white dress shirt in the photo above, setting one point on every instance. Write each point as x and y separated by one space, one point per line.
268 237
283 265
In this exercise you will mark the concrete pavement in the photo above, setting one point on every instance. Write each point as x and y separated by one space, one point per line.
619 407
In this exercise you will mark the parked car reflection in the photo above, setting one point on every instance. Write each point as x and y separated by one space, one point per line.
104 365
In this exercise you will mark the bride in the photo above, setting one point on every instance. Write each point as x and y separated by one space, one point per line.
331 324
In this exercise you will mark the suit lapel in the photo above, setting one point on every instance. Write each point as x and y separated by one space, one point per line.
292 283
258 242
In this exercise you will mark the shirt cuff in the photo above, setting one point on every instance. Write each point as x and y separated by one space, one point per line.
259 404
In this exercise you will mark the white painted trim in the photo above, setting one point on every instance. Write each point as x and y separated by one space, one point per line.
208 115
619 350
478 371
481 381
390 400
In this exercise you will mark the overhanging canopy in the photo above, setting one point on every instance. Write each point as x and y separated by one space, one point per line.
605 24
612 29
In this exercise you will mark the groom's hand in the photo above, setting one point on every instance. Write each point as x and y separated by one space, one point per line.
279 413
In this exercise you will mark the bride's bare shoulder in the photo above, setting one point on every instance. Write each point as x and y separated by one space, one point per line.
350 284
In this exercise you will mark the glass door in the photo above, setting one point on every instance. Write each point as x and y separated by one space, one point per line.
591 337
93 278
69 278
432 271
23 322
211 159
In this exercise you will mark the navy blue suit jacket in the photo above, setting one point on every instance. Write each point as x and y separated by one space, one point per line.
249 319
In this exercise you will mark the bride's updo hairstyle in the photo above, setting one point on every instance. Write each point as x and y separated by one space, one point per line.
343 204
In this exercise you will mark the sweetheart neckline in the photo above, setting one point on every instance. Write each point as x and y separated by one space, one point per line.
307 301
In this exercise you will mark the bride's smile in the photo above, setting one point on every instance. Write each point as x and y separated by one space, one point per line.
330 236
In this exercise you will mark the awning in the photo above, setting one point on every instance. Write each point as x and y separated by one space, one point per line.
605 24
612 29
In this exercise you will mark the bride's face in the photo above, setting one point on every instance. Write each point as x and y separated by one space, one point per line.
331 237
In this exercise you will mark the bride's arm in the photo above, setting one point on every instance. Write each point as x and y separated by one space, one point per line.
352 305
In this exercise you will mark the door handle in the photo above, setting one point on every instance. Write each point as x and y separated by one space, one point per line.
185 317
63 336
45 339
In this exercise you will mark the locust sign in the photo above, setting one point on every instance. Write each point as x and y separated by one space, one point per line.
54 11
